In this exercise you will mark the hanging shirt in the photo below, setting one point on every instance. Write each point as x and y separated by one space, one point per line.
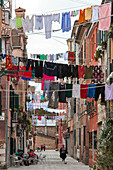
81 71
66 22
48 24
83 91
104 17
82 16
39 22
88 72
50 69
88 13
28 24
76 91
95 14
13 23
19 22
109 92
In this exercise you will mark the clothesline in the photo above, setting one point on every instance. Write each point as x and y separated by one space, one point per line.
65 26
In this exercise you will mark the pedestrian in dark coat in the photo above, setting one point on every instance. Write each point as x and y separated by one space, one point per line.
63 153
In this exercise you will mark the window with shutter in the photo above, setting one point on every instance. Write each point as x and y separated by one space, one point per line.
90 140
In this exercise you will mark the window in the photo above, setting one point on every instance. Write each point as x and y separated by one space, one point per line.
84 49
84 141
95 139
90 140
74 105
74 137
79 136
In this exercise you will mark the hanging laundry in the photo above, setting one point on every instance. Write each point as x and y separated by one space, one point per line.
62 70
65 56
38 69
98 76
83 91
56 17
28 24
54 86
39 118
81 71
42 57
100 89
13 23
95 14
68 90
91 90
71 13
66 22
8 62
19 22
109 92
38 22
28 74
48 24
82 16
46 87
62 93
74 13
104 17
48 57
52 57
77 12
88 72
50 69
76 91
71 56
88 13
45 77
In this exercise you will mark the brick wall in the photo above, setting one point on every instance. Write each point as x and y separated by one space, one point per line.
40 140
50 131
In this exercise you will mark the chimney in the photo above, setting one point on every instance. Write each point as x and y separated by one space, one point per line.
20 12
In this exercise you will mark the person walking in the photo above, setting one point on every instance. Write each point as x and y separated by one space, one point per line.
44 147
41 147
63 153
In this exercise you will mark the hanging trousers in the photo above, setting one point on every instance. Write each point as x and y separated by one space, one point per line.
46 87
54 86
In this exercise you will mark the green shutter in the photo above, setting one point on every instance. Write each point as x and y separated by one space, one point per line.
99 37
1 3
11 97
16 101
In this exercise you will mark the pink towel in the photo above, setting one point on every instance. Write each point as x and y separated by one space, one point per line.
104 11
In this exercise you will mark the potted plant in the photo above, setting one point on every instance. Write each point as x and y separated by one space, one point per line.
110 31
99 53
28 98
15 110
104 44
21 108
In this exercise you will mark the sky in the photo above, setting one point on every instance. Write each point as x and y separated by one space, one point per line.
37 44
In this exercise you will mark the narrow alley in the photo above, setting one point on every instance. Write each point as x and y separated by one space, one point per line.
54 162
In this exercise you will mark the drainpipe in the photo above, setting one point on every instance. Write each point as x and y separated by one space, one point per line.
108 73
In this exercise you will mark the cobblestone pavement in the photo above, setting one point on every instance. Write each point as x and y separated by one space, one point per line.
54 162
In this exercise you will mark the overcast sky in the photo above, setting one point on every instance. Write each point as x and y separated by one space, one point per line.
37 44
